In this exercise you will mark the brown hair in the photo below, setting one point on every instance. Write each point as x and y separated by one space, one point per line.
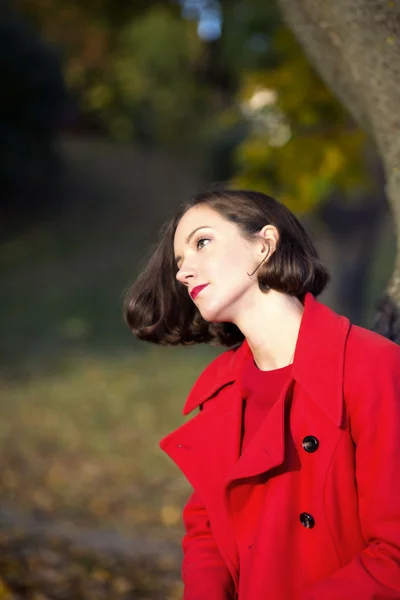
157 307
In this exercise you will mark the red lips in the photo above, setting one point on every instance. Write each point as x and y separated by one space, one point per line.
196 290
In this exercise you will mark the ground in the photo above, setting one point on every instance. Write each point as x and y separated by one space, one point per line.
89 505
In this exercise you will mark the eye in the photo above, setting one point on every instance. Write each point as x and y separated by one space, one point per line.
200 243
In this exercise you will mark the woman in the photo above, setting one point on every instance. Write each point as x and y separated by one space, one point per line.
294 455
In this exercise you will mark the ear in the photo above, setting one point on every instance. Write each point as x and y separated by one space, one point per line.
269 238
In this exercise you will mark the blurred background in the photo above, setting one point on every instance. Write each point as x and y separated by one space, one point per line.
111 114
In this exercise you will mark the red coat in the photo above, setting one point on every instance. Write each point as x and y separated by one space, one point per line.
330 526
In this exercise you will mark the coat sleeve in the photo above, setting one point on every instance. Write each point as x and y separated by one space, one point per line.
204 572
373 404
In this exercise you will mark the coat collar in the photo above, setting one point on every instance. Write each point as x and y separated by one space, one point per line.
318 364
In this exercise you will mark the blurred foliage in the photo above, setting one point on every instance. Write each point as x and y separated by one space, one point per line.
130 68
298 143
154 82
249 99
301 144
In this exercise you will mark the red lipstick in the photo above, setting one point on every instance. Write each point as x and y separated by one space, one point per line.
196 290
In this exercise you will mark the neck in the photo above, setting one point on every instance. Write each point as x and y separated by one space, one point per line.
271 326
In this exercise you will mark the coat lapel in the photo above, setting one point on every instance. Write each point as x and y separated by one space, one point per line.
318 364
206 448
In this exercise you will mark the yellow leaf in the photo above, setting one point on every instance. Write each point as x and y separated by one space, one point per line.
333 160
5 592
170 514
121 585
100 575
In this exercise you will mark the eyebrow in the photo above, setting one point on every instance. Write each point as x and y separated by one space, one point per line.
189 237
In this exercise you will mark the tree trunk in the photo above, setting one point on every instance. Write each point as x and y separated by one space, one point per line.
355 47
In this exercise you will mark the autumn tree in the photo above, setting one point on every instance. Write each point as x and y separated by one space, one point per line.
355 47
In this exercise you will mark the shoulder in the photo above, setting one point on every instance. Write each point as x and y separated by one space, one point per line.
216 375
367 348
372 362
372 386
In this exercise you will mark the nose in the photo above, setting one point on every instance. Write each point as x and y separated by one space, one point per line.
185 273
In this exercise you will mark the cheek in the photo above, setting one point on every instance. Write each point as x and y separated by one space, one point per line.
236 265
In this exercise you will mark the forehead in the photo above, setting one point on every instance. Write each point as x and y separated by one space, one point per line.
198 216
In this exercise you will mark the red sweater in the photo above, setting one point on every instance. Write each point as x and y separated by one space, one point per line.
260 390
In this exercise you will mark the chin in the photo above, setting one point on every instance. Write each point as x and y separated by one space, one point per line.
214 315
207 316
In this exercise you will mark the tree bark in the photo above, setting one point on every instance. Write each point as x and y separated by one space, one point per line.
355 47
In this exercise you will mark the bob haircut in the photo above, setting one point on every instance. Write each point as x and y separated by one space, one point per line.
157 307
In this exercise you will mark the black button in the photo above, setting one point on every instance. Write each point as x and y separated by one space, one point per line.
307 520
310 443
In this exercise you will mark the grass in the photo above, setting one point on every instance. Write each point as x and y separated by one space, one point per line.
82 442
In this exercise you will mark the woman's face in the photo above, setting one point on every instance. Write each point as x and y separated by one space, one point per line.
212 252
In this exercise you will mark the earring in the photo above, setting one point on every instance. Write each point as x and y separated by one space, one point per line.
256 269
